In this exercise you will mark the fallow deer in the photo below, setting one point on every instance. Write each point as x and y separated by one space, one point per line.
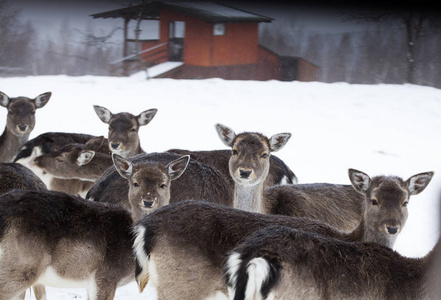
85 162
50 238
20 122
47 143
198 182
287 263
149 183
14 176
180 248
123 130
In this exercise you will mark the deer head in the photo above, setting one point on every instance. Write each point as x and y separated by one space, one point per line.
149 182
123 129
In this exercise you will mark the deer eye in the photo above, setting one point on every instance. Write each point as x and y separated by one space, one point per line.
234 152
59 159
163 186
132 129
374 202
110 128
265 155
405 203
135 184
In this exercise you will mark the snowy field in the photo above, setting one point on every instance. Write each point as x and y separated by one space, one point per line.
378 129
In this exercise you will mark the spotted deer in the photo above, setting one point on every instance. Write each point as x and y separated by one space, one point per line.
20 122
85 162
288 263
199 181
123 135
181 248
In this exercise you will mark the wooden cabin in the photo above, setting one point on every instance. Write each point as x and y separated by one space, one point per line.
198 40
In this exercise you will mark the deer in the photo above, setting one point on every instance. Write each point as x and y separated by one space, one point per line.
123 135
327 202
52 238
149 182
199 182
181 248
279 262
14 176
86 162
20 122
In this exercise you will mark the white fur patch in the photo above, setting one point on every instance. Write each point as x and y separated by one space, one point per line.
50 278
141 256
233 264
218 295
258 271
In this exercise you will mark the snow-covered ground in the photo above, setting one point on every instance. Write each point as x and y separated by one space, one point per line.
378 129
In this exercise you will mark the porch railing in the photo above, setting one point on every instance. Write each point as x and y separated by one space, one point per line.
139 61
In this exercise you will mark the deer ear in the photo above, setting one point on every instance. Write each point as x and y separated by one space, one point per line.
146 116
103 113
177 167
4 100
123 166
41 100
85 157
417 183
359 180
278 141
226 134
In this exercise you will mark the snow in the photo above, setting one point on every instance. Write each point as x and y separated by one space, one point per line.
160 69
378 129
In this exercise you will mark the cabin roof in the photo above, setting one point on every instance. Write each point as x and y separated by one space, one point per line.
207 11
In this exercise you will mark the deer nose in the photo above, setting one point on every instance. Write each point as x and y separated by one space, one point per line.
147 203
244 173
392 229
22 127
114 145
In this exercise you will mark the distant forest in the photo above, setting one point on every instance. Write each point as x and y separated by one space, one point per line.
400 47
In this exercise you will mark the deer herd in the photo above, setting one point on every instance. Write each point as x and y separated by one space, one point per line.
98 212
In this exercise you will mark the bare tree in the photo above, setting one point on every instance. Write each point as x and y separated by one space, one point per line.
414 19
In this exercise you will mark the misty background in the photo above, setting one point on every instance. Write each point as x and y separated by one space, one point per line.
356 44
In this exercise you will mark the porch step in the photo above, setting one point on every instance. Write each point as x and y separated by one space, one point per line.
163 68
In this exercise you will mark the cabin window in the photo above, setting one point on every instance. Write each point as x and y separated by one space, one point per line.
219 29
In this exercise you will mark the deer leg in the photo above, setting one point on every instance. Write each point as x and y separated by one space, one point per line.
40 292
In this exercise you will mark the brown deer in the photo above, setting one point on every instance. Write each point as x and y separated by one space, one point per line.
61 240
47 143
149 183
286 263
249 163
14 176
123 130
180 248
199 181
20 122
85 162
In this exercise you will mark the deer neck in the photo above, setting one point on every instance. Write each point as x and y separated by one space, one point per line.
10 144
249 198
364 233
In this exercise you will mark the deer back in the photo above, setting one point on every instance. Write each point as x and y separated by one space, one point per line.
15 176
338 205
48 235
286 263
